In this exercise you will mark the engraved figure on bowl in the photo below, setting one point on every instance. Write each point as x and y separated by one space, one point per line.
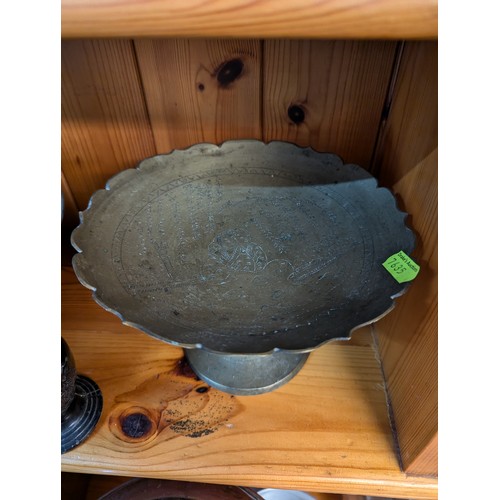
261 252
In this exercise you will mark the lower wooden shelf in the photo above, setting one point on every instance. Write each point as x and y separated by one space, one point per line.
327 430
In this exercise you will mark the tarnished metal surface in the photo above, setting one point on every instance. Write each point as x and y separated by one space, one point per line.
242 248
245 374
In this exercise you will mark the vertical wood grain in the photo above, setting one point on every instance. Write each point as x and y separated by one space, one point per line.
427 460
408 336
69 221
70 210
201 90
105 127
340 86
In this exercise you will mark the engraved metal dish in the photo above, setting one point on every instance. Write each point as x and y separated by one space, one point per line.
243 249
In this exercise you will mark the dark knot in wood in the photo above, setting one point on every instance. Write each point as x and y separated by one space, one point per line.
296 114
136 425
229 71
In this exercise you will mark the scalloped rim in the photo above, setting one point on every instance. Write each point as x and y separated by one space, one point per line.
199 345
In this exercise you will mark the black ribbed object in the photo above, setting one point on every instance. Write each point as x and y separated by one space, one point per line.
81 402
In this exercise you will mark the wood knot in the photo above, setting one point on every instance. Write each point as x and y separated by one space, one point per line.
229 71
296 113
134 424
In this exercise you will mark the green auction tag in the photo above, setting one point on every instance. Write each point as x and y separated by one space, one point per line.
401 267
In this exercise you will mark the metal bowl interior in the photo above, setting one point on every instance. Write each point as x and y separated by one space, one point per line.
242 248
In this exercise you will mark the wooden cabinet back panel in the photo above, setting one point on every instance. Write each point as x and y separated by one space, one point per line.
125 100
408 336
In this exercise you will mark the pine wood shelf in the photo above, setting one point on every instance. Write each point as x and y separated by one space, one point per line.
327 430
388 19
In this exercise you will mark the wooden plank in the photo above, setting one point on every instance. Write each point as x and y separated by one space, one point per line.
105 127
100 485
408 336
391 19
339 87
69 221
427 460
70 217
201 90
327 430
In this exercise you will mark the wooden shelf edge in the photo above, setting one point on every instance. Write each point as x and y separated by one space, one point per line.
418 488
327 430
380 19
